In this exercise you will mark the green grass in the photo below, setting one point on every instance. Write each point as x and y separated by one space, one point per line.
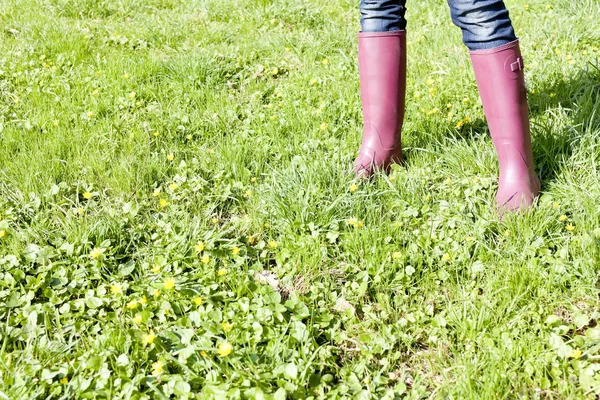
406 286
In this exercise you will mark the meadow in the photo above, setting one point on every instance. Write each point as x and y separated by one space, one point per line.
179 219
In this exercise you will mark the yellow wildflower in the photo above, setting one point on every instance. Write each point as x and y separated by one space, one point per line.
144 300
272 244
352 221
170 157
221 272
562 218
115 289
225 349
555 205
156 292
64 380
169 283
157 368
205 259
235 251
163 203
2 234
173 186
198 300
323 126
575 354
96 253
132 304
396 255
199 246
155 269
459 124
325 62
137 319
149 338
446 257
87 195
156 192
226 326
570 227
359 224
353 188
203 353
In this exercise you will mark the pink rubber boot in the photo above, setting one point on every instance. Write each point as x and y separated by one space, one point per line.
382 67
499 74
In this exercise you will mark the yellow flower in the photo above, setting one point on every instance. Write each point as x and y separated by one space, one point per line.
359 224
203 353
467 120
132 304
352 221
570 228
96 253
575 354
225 349
115 289
198 300
325 61
430 81
199 246
469 238
323 126
163 203
170 157
149 338
64 380
155 269
156 292
555 205
353 188
205 259
90 114
189 137
173 186
157 368
235 251
253 179
562 218
132 95
137 319
221 272
396 255
144 300
169 283
248 193
446 257
55 122
466 100
226 326
267 225
156 192
2 234
272 244
459 124
87 195
126 76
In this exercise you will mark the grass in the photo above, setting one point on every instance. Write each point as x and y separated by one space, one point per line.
178 217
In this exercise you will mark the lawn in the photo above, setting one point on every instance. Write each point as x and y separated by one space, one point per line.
178 216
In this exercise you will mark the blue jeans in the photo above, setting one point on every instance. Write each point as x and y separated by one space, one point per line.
485 24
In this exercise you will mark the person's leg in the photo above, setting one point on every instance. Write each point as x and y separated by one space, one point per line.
382 68
498 66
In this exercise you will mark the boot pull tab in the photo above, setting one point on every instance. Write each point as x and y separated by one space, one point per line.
513 65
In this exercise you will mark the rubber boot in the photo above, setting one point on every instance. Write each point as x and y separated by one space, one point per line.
382 68
499 75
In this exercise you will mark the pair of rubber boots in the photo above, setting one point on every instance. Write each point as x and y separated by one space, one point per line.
499 75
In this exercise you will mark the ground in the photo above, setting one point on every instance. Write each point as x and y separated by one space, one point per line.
178 216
